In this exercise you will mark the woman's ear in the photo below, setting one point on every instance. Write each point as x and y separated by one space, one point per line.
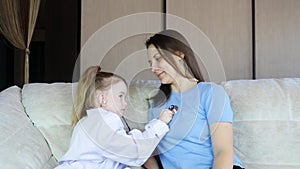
180 54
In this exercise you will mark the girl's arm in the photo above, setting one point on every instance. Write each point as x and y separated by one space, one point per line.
222 142
107 132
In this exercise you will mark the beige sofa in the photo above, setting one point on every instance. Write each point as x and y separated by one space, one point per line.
35 122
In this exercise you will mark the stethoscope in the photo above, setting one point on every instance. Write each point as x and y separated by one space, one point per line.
129 129
173 108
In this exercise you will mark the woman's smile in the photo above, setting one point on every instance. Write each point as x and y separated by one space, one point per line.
159 75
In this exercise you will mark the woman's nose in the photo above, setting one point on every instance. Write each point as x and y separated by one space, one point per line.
154 68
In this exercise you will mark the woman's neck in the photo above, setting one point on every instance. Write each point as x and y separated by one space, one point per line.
183 85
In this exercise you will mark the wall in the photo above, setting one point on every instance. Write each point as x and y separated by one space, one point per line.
277 38
114 38
238 39
62 39
226 25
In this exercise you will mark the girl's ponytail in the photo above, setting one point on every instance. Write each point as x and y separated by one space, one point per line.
84 97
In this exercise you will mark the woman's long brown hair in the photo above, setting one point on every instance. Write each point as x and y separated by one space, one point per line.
171 42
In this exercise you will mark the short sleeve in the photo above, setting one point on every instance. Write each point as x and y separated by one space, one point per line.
218 105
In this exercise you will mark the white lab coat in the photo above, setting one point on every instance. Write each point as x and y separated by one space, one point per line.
99 141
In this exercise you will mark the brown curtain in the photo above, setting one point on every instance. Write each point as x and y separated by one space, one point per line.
17 22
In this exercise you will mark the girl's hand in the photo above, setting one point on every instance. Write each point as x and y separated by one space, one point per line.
166 115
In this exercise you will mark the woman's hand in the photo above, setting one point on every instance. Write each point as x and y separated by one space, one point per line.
166 115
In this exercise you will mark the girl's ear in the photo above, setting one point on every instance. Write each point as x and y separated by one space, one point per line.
99 98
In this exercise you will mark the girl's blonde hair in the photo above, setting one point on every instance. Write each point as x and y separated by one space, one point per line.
91 81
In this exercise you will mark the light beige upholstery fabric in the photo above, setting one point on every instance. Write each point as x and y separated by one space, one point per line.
21 144
49 107
138 108
266 122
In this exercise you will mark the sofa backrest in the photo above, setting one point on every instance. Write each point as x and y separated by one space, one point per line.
266 117
266 122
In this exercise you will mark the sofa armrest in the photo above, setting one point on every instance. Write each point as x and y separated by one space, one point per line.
21 144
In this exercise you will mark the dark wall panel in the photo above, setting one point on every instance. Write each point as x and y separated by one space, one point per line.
62 22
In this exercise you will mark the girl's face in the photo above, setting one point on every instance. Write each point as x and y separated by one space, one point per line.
115 98
159 66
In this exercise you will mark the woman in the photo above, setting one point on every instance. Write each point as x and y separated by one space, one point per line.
201 134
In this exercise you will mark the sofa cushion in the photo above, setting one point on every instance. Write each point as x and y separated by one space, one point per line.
51 163
137 111
21 144
49 106
266 122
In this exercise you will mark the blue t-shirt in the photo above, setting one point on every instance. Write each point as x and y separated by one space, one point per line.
188 143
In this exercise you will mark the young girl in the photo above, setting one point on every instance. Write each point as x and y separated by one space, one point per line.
201 134
99 140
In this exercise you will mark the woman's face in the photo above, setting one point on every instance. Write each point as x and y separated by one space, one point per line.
115 98
160 67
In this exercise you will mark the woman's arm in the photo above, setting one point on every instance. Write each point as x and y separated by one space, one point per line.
222 142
